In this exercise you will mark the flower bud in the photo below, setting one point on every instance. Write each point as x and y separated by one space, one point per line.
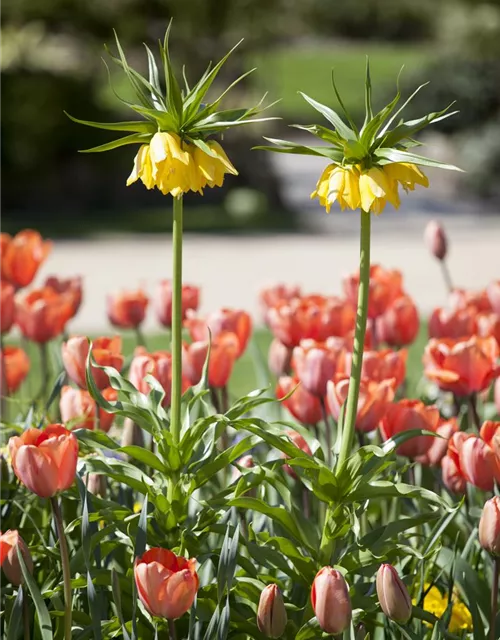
330 600
10 542
271 614
435 239
393 595
489 526
280 358
132 434
96 484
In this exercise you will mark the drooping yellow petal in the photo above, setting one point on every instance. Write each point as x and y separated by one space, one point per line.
138 164
222 157
351 195
205 164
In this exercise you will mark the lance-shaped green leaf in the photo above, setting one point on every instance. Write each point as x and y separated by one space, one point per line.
323 133
154 81
402 107
386 156
410 128
135 138
132 125
283 146
44 622
174 96
340 126
371 128
368 94
133 77
343 107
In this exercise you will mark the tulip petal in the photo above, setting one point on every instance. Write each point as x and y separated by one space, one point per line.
36 471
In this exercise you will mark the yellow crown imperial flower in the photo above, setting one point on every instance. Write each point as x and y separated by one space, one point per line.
460 618
178 152
368 164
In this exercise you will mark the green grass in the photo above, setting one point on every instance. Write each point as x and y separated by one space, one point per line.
284 72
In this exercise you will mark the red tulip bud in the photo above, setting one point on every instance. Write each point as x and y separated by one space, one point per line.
271 614
10 542
489 526
330 600
435 239
393 595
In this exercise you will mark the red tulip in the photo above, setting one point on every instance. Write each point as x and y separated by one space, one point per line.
10 542
105 351
400 324
462 366
163 302
374 399
393 595
461 298
78 407
223 353
493 293
315 364
474 459
16 365
42 314
233 321
166 583
7 307
44 460
384 288
158 365
452 476
330 601
279 358
488 325
435 239
379 365
457 323
406 415
271 296
303 406
71 287
271 613
439 447
489 526
127 310
22 255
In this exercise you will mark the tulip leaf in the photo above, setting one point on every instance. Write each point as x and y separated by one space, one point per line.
135 138
44 622
139 549
343 130
227 561
16 615
143 455
208 469
117 598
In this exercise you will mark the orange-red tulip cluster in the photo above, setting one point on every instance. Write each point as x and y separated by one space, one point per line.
163 302
22 255
79 409
158 365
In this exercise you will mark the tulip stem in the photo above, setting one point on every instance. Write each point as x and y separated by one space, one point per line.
446 275
139 338
328 432
172 633
494 597
359 341
68 609
97 419
475 415
175 409
44 366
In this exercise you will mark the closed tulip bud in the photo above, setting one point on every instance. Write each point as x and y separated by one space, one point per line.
271 614
279 358
127 309
489 526
330 600
435 239
132 434
10 542
393 595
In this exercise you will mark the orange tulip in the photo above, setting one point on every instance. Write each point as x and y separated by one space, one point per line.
312 317
457 323
374 398
462 366
158 365
314 364
300 442
279 358
71 287
471 459
163 301
303 406
399 325
453 479
166 583
7 306
384 288
22 255
479 300
127 309
78 407
379 365
16 365
330 601
435 239
406 415
488 325
44 460
439 447
234 321
272 296
224 350
105 351
493 293
42 314
10 542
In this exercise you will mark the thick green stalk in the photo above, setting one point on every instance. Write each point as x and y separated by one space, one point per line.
63 545
175 409
359 341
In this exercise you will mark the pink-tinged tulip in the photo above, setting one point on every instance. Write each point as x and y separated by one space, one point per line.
493 293
314 364
406 415
42 314
163 301
272 296
166 583
379 365
496 395
400 324
71 287
271 613
386 285
439 447
435 239
105 351
303 406
453 479
393 595
158 365
22 256
300 442
44 460
279 358
374 398
464 366
223 353
10 542
488 325
233 321
78 408
246 462
16 364
475 458
127 309
330 601
489 526
456 323
479 300
7 307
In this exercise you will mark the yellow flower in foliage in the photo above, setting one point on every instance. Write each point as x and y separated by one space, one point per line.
338 184
436 603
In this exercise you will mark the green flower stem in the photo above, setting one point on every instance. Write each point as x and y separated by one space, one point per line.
494 597
68 599
175 409
3 391
44 365
359 341
172 633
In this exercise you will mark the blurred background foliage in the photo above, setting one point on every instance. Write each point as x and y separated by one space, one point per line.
51 62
